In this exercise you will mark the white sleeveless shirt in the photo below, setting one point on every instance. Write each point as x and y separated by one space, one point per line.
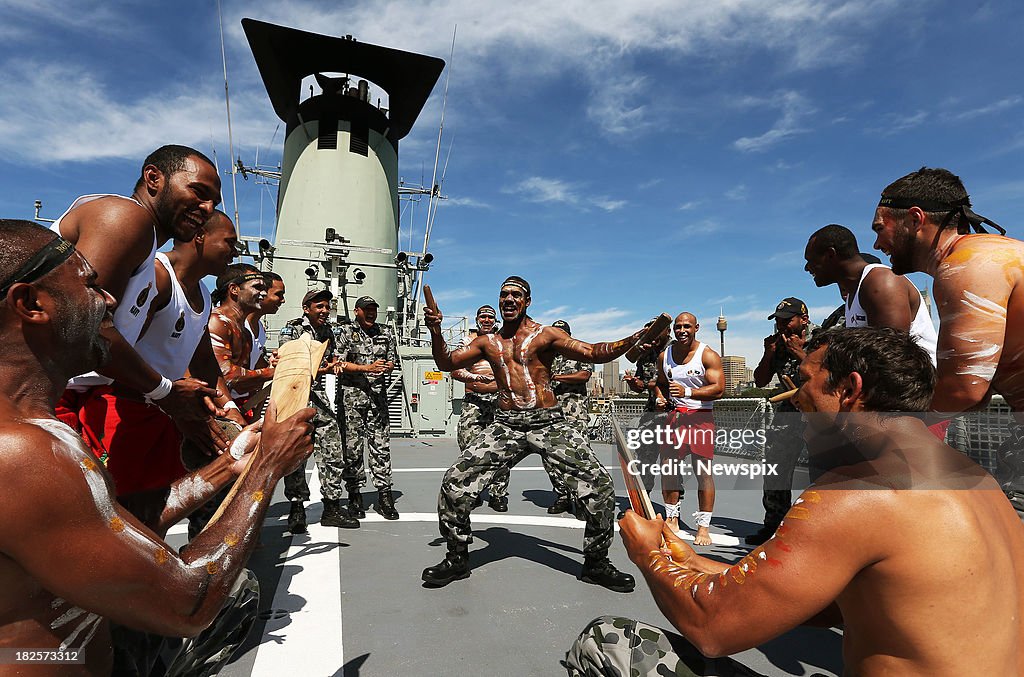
690 374
922 329
259 339
132 307
172 336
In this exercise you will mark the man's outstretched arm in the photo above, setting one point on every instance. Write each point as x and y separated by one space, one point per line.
789 580
596 353
92 553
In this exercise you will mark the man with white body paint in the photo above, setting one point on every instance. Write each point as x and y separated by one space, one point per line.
528 420
87 561
923 224
884 543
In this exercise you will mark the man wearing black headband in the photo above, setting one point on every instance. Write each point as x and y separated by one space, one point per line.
73 557
924 222
569 381
240 291
528 420
177 191
479 405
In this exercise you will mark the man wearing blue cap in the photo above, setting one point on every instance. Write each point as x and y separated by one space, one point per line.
370 353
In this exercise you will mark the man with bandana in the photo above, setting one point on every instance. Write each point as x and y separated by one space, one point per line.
569 380
328 446
923 222
369 353
478 407
528 420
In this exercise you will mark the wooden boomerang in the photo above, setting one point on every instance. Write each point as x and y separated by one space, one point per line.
660 324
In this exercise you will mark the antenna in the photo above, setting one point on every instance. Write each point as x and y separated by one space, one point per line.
435 190
227 105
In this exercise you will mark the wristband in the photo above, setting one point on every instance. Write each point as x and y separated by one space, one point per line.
688 392
161 391
231 404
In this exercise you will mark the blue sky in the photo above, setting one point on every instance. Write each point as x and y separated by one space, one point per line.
626 158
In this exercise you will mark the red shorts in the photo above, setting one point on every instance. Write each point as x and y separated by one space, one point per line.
70 409
142 442
939 429
693 431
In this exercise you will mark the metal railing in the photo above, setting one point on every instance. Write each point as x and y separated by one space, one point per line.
978 434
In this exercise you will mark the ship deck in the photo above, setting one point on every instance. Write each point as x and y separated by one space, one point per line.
350 601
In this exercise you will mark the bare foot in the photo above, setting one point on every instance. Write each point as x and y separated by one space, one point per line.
673 523
703 536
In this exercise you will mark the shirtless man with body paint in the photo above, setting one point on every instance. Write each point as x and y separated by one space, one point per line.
923 224
88 561
918 556
528 420
240 292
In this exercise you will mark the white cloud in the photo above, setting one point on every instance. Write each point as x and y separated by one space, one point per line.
738 193
687 206
466 202
794 109
996 107
452 295
705 227
546 190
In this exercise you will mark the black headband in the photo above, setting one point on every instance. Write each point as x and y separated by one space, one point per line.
242 279
56 252
963 208
516 281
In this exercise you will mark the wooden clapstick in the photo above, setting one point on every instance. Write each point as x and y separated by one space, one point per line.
639 499
784 396
788 382
296 368
428 297
661 323
298 362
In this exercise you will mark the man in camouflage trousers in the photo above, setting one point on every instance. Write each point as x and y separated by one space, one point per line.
528 420
370 353
569 381
328 449
479 405
783 352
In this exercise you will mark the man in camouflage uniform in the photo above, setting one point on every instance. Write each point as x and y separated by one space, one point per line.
528 420
784 439
370 353
569 381
645 380
479 405
328 449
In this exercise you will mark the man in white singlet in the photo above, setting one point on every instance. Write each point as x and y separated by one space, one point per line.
875 296
271 303
690 378
175 194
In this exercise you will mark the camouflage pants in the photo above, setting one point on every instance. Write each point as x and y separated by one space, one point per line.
621 647
577 411
329 455
477 415
513 436
366 420
783 444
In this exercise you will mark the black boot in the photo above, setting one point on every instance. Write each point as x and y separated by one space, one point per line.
761 535
355 504
498 503
385 505
454 567
603 572
560 505
334 516
297 518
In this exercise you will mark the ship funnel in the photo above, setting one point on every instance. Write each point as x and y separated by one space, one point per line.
338 196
